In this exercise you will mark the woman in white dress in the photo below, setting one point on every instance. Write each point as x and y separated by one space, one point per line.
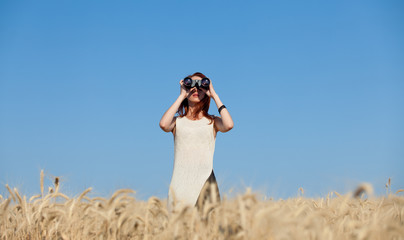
194 133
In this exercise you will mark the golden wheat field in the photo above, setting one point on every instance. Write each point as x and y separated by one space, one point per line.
53 215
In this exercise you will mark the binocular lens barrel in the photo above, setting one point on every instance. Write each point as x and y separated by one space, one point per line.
205 82
189 83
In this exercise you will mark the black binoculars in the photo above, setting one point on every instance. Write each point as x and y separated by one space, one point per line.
189 83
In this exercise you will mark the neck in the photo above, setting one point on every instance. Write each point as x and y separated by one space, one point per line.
191 110
191 106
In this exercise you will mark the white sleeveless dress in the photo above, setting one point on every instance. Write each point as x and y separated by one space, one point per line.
194 146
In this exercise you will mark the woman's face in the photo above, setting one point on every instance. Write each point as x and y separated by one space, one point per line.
195 95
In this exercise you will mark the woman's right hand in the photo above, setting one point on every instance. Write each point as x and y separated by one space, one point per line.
184 91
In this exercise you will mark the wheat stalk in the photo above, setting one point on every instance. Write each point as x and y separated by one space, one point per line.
41 182
335 216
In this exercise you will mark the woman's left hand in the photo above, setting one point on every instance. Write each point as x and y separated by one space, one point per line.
211 91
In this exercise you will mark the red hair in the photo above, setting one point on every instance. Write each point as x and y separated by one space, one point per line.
203 105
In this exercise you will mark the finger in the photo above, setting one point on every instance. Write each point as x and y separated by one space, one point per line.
207 92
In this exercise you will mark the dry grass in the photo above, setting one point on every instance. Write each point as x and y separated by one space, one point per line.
54 215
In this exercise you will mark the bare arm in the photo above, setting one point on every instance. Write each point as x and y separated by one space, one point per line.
224 123
167 122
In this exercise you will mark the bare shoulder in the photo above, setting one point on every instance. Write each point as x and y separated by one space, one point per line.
175 121
216 122
216 119
221 126
215 130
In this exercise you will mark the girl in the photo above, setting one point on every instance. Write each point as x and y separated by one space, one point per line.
194 133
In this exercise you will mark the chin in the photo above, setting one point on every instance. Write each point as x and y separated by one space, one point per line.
194 101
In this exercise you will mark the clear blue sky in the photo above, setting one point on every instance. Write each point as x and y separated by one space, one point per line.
316 91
